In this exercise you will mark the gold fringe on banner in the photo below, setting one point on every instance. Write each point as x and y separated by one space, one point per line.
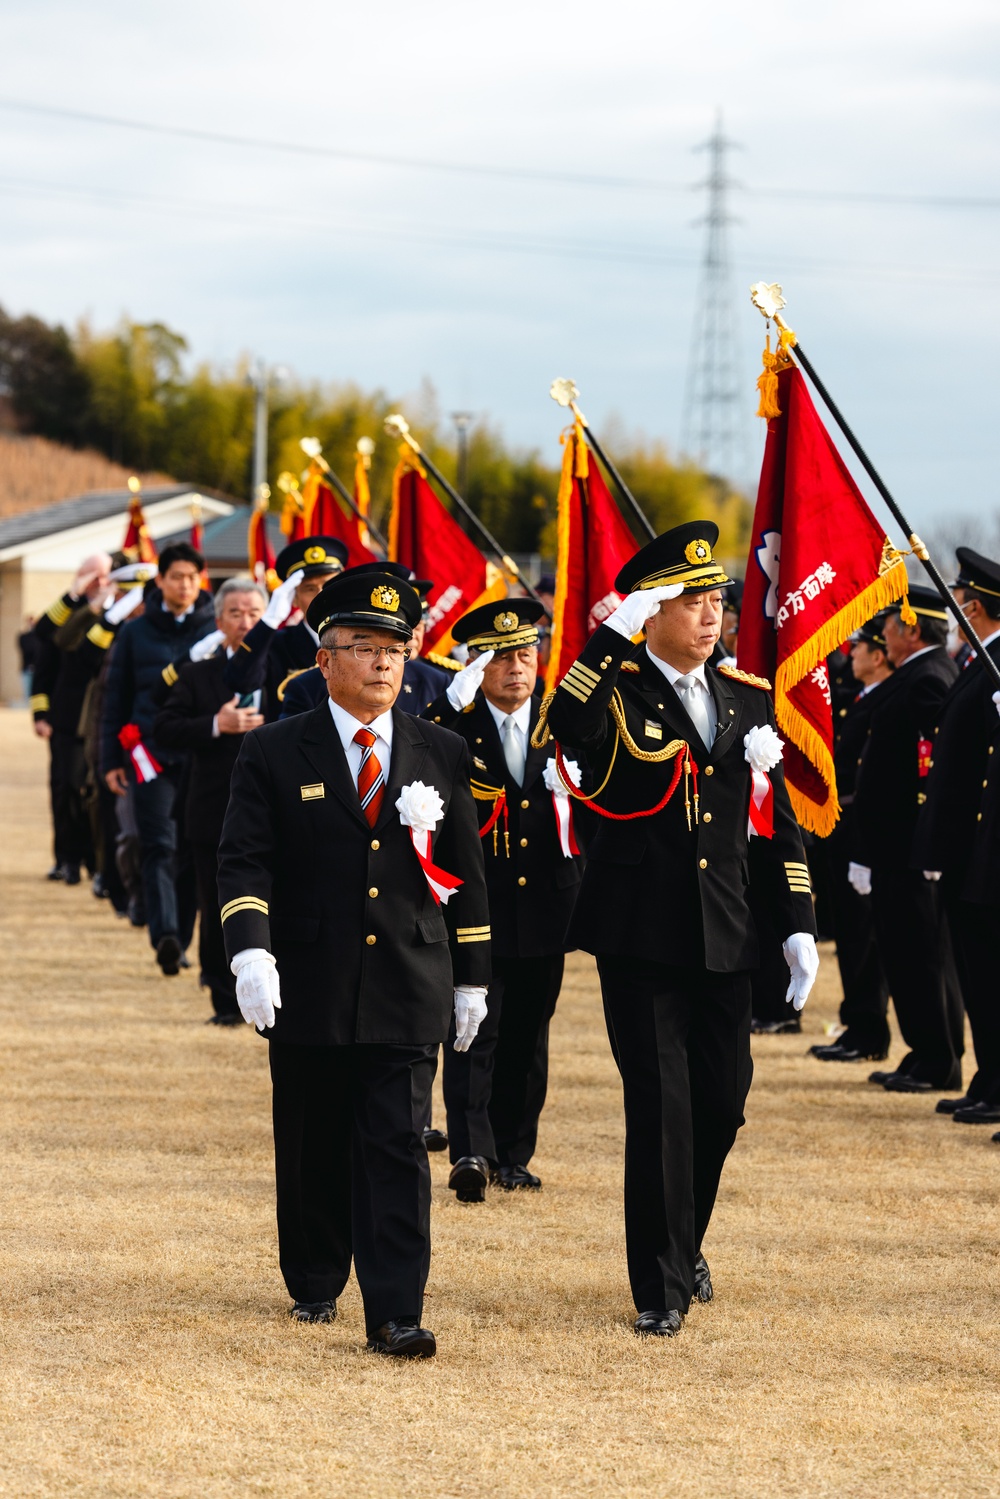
574 466
888 588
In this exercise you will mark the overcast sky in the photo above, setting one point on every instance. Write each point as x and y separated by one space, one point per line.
867 134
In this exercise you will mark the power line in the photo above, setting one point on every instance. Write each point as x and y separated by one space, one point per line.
481 169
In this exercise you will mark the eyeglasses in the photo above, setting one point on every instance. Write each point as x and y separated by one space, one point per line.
396 654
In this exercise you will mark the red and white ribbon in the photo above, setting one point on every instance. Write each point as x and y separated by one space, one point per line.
145 765
561 804
761 820
442 885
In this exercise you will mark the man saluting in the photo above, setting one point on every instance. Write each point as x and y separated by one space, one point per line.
683 759
353 903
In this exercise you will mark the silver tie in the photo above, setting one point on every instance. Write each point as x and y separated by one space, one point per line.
689 691
512 750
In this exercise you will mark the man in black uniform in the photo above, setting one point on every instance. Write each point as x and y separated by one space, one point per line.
910 927
376 927
673 748
270 656
202 717
495 1091
866 991
965 739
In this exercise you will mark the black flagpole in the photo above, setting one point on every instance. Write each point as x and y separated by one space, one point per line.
919 550
396 426
622 487
349 500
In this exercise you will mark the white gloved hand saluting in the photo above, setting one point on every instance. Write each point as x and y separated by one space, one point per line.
803 965
932 874
466 683
860 877
123 607
470 1012
282 600
258 992
206 645
633 611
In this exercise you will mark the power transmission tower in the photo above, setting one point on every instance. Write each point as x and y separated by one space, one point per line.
715 423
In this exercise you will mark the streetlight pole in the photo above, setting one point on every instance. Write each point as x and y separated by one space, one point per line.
463 421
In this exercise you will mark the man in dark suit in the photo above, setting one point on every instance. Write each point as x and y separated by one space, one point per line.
966 739
495 1091
907 911
673 750
202 717
274 653
866 992
352 872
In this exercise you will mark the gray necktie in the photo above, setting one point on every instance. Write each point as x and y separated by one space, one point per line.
512 751
689 691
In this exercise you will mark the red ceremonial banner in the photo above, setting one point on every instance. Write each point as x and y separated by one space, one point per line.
820 566
260 553
593 544
424 537
138 544
325 516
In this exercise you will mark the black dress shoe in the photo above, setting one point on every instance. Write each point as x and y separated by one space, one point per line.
56 873
905 1083
184 961
99 888
702 1280
842 1053
235 1019
658 1324
516 1178
314 1311
168 955
71 874
402 1338
790 1027
435 1139
949 1105
978 1113
996 1138
881 1077
469 1177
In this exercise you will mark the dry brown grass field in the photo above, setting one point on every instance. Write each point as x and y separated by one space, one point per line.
852 1348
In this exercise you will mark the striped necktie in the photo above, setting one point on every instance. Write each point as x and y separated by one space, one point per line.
371 782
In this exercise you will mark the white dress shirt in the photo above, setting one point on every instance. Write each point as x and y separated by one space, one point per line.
347 726
698 672
522 721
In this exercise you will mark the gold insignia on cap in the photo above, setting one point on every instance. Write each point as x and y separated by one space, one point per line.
698 551
505 622
314 554
385 598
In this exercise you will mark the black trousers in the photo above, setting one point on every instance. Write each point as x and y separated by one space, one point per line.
351 1173
494 1092
215 972
974 939
865 1006
681 1039
70 821
168 877
913 943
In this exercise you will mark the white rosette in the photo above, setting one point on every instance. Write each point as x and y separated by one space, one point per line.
763 750
420 809
561 805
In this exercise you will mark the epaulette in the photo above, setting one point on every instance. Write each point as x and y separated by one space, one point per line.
744 676
445 661
298 673
629 666
169 674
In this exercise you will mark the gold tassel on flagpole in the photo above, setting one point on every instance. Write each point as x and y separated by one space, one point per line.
767 383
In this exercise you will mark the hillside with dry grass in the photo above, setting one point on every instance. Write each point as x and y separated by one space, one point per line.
35 472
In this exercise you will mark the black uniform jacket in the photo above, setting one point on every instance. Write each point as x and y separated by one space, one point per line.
185 723
653 889
532 889
267 658
892 774
364 952
74 642
966 736
421 684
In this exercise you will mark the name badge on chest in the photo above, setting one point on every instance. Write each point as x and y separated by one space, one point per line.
653 729
313 793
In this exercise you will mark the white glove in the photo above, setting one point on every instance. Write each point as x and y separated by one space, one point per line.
860 876
932 874
125 606
470 1012
996 701
466 683
282 600
803 966
206 645
633 611
258 993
